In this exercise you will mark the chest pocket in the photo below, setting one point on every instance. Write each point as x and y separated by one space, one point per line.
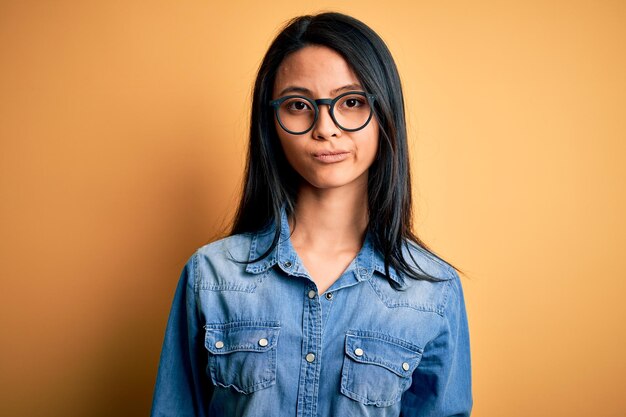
377 368
242 355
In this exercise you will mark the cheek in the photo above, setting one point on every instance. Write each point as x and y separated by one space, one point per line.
292 151
286 144
368 148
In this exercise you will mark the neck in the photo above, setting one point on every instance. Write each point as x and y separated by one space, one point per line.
330 220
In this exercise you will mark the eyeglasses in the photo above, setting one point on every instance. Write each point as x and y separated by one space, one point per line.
351 111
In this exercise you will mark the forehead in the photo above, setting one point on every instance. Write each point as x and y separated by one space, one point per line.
318 68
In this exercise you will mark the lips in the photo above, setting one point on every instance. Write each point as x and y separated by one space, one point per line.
331 156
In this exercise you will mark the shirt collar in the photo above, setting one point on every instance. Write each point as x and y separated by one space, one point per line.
368 260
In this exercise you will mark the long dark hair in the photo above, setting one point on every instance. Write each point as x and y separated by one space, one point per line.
270 182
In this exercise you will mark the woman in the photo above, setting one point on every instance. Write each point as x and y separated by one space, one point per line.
321 302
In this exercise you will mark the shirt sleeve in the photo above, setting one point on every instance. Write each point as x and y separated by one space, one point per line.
441 385
182 388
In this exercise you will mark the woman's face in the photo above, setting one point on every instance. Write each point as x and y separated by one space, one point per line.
326 156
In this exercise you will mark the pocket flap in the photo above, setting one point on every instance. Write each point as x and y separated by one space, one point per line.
399 356
227 338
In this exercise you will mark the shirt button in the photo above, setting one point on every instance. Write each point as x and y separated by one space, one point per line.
287 264
358 352
263 342
329 296
312 294
405 366
219 344
310 357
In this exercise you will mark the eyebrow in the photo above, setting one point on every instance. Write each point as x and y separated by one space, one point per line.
297 89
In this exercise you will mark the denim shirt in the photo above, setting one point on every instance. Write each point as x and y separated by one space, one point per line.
258 339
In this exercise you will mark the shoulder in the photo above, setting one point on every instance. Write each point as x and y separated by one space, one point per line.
435 295
221 263
426 263
234 245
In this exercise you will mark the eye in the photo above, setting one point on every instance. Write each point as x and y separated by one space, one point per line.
353 102
296 105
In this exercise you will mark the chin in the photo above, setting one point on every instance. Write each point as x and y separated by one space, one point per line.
331 182
328 186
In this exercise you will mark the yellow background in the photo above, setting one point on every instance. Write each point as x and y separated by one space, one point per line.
123 131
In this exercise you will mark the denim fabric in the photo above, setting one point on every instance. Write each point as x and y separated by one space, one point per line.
258 340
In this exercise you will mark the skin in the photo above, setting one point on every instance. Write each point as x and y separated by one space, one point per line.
331 209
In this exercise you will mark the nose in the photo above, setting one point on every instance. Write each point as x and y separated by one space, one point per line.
325 127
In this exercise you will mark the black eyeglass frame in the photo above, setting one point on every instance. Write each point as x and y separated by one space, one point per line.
331 105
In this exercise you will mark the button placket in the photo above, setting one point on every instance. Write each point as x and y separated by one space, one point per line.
311 347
